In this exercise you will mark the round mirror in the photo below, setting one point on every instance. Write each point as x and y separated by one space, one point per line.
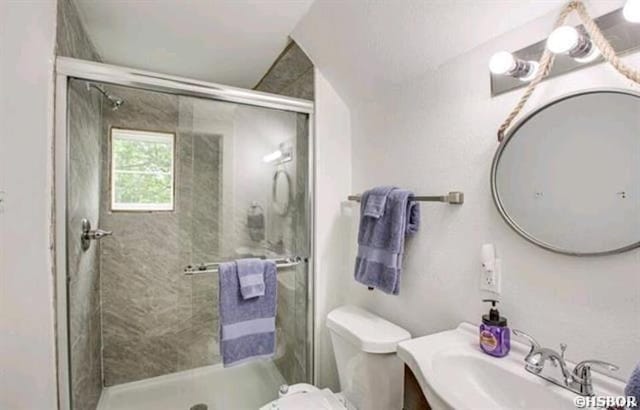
281 192
567 177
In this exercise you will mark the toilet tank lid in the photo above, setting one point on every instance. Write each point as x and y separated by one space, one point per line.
369 332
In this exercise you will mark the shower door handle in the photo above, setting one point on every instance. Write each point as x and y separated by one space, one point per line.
99 234
89 235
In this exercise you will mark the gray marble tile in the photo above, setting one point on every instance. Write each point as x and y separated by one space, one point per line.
145 295
83 266
292 66
301 87
72 39
155 320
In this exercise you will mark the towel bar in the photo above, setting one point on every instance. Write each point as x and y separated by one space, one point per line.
212 267
452 198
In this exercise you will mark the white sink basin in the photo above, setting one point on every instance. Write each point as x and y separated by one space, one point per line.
455 374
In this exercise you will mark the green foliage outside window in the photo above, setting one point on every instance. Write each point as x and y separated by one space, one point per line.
142 170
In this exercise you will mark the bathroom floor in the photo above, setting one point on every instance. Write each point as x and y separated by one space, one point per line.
247 386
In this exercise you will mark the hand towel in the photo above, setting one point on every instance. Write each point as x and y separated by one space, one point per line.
247 326
251 277
633 385
381 241
376 201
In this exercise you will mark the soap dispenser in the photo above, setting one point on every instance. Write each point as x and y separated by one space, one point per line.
495 336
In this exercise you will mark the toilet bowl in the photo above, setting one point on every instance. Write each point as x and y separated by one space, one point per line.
370 373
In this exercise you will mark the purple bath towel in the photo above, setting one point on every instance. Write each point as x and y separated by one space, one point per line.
247 326
251 277
633 385
376 201
381 240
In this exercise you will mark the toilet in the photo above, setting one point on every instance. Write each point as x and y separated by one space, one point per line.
370 373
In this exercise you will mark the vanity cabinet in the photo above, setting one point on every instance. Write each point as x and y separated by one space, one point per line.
414 398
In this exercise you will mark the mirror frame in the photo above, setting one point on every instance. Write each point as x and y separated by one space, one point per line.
494 170
281 209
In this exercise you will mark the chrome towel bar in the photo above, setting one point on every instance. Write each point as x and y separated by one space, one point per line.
452 198
212 267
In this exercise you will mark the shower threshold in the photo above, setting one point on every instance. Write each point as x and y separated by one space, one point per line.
248 386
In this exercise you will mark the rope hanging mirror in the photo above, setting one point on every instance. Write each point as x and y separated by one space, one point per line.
546 60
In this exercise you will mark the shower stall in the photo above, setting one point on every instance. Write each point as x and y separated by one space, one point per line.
159 179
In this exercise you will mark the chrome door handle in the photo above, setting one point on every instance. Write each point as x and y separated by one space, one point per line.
89 235
99 234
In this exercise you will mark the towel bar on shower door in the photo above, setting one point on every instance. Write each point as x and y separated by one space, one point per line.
452 198
212 267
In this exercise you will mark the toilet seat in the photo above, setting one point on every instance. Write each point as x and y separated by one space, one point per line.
318 399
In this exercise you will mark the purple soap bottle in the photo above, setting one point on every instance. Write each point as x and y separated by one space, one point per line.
495 336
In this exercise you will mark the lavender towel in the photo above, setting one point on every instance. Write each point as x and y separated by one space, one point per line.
633 385
247 326
381 241
376 201
251 277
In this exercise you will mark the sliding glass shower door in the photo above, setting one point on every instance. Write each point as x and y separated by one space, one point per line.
178 184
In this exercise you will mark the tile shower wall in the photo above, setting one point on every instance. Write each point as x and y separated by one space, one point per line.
84 202
83 266
155 319
292 75
72 39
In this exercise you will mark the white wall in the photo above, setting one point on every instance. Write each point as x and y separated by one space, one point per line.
333 184
436 133
27 351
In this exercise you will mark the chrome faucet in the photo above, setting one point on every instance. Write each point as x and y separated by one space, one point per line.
577 381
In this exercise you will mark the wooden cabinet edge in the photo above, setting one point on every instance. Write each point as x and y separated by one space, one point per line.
414 398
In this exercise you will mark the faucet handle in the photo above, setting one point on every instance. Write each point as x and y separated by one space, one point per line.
563 348
582 374
588 364
534 344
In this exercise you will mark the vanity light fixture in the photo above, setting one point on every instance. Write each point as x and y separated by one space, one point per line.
631 11
573 42
274 156
504 63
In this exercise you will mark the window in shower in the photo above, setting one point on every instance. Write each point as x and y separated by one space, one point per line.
142 170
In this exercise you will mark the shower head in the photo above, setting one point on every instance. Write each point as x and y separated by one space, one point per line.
113 100
116 103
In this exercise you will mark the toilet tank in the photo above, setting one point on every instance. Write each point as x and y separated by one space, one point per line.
371 374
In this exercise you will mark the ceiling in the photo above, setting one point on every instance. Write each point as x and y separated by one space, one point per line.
362 46
232 42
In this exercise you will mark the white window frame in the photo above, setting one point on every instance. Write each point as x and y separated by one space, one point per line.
146 136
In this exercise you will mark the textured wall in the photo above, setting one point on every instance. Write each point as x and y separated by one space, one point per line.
155 319
27 316
291 75
437 132
84 202
333 184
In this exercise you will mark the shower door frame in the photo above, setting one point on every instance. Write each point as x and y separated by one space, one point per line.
69 68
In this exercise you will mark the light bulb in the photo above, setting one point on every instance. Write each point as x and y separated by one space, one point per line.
631 11
563 39
502 62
